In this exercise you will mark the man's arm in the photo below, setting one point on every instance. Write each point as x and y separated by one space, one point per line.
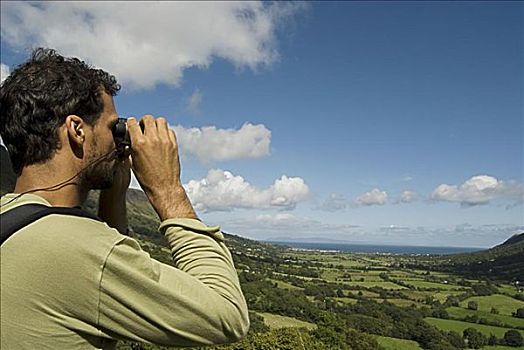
197 303
112 201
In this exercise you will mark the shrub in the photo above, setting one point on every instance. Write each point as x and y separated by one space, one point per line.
474 338
519 313
513 338
472 305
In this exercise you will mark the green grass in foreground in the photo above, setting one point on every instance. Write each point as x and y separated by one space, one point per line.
459 326
395 344
276 321
506 305
458 312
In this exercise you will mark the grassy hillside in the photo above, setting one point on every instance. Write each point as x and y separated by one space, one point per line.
389 343
505 261
460 326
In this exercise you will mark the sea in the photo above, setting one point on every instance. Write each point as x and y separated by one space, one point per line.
380 249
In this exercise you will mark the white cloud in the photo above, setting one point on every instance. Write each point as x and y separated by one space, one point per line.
393 228
210 143
282 226
408 197
373 197
478 190
222 191
194 101
281 219
147 43
4 72
334 202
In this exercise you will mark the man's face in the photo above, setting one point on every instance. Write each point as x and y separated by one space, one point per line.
101 149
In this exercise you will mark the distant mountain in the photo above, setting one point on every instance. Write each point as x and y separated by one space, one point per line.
513 240
7 175
502 262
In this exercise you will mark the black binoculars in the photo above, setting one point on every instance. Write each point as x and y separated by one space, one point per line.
121 135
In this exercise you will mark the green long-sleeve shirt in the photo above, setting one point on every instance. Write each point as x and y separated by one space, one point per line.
75 283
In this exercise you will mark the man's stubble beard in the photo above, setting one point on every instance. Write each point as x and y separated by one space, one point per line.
101 174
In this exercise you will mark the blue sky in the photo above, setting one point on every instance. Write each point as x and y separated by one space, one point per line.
373 122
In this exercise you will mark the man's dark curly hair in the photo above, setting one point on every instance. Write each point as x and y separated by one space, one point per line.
38 96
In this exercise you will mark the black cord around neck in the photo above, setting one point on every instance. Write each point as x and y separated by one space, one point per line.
67 182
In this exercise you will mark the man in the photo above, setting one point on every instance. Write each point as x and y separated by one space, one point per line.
73 282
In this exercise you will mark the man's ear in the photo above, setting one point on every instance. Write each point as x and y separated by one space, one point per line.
75 127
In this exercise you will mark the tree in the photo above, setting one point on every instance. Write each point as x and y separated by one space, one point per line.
472 305
494 311
452 301
440 313
513 338
519 296
492 340
257 324
519 313
456 340
474 338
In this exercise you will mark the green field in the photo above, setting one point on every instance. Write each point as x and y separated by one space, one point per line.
417 295
459 326
442 296
276 321
346 300
330 274
506 305
385 285
284 285
403 302
335 259
434 285
395 344
458 312
367 276
365 293
507 289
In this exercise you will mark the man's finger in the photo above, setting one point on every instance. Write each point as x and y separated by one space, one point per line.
161 124
172 137
135 134
149 124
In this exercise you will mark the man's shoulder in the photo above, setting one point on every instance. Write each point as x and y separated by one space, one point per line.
62 224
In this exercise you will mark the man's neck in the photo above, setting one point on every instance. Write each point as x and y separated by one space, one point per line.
36 177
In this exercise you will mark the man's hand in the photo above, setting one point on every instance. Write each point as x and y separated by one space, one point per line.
112 201
156 165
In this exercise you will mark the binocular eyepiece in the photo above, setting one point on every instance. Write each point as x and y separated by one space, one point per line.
121 134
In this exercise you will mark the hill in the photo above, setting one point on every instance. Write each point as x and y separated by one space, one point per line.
513 240
502 262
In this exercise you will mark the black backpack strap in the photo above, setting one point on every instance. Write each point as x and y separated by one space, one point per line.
21 216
